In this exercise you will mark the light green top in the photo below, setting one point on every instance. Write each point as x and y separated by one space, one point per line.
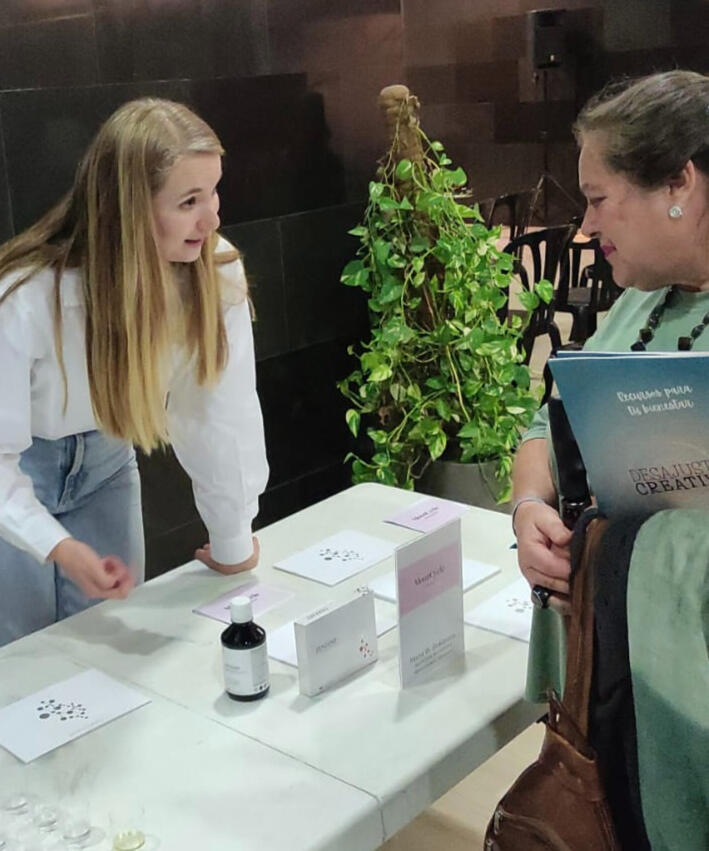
668 588
616 333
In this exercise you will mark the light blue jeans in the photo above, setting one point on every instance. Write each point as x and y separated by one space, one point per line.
90 483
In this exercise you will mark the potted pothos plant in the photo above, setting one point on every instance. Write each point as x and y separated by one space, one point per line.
442 374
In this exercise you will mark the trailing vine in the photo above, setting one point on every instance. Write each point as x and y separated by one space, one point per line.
442 373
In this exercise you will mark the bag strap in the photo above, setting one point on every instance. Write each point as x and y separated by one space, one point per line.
579 651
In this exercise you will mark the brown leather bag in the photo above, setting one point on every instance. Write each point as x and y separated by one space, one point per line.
558 802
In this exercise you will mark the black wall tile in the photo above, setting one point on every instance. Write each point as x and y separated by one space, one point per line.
304 412
451 31
237 37
316 247
59 52
151 41
494 169
21 11
275 133
47 131
166 491
690 22
311 34
293 496
260 246
6 228
526 122
185 40
173 548
488 81
509 37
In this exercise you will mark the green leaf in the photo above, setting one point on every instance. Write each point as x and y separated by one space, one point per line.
398 391
403 169
418 244
470 429
351 269
436 382
545 290
528 300
458 177
391 291
443 409
352 419
382 249
437 445
360 230
381 373
436 146
378 436
375 190
387 203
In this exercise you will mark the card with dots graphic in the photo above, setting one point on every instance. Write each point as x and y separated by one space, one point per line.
508 612
59 713
338 557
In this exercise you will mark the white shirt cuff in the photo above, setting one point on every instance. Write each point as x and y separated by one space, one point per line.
232 550
43 540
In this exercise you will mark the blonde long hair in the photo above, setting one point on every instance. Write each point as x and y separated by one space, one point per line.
104 227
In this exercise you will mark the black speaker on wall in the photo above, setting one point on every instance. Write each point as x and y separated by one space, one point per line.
546 37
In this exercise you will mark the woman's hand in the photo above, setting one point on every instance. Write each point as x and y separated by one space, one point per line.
204 555
543 550
99 578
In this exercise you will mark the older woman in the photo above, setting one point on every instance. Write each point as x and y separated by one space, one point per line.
644 170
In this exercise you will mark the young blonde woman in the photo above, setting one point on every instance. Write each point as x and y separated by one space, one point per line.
123 321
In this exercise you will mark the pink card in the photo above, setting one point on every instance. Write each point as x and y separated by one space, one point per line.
427 514
263 598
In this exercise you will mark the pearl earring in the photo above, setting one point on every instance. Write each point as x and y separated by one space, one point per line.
675 212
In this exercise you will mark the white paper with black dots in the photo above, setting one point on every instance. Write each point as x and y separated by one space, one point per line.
49 718
508 612
338 557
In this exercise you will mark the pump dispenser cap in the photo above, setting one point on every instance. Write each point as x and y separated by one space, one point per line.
241 610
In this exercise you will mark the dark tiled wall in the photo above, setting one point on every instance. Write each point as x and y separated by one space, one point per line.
290 86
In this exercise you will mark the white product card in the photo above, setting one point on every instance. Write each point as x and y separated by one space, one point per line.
334 641
281 641
55 715
474 572
429 580
508 612
338 557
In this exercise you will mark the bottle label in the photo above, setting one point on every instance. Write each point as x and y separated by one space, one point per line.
246 671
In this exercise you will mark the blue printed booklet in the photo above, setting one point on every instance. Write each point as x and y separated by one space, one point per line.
641 421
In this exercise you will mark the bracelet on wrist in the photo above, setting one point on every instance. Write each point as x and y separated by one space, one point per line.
521 501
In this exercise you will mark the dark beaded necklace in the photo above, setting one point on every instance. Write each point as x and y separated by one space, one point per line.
684 344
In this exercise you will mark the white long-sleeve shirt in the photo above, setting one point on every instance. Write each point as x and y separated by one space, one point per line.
217 432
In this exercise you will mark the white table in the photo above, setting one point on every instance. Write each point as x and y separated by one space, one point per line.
344 770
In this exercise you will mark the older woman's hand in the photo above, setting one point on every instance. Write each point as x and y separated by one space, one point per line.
543 547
